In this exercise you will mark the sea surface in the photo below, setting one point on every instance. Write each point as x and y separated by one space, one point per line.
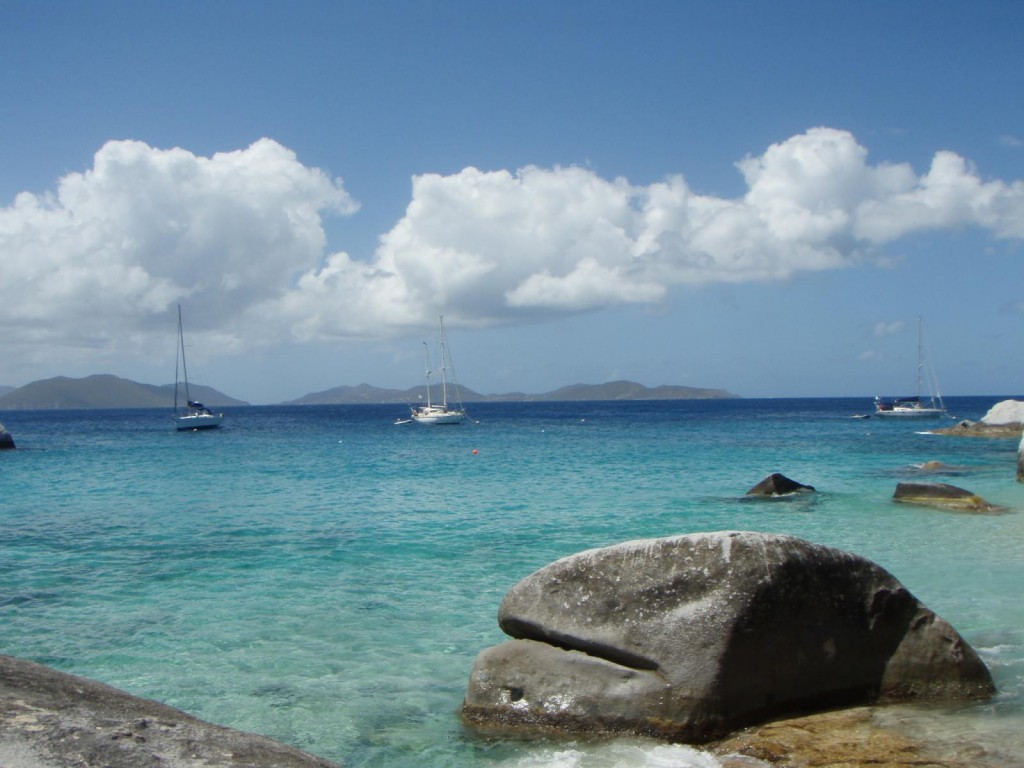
325 577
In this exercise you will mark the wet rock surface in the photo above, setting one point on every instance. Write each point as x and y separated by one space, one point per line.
691 637
49 719
850 738
943 496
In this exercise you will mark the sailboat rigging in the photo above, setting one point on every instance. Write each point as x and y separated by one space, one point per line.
440 413
193 415
914 407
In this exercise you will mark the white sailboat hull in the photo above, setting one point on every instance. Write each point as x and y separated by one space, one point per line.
191 421
434 414
897 412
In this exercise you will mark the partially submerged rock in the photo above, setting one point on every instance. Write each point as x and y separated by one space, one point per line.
6 441
49 719
777 484
691 637
942 495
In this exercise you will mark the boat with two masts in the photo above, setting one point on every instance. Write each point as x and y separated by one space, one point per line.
432 413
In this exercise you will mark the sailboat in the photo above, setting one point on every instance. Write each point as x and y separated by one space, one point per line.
439 413
914 407
193 415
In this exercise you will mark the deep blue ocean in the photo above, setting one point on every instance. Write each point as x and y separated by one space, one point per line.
324 577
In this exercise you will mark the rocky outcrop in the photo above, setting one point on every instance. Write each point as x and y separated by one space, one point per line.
942 495
692 637
6 441
1005 413
777 484
49 719
1004 419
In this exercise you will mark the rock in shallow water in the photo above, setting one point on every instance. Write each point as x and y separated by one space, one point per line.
777 484
692 637
49 719
944 496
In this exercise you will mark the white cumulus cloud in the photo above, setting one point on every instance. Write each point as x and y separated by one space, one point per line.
102 260
116 246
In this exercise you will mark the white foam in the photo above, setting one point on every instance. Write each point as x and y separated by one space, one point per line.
625 753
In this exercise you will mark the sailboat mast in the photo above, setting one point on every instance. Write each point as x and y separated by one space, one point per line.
184 366
177 357
444 370
920 362
426 368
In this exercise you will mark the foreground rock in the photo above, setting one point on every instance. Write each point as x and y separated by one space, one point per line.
52 720
944 496
849 738
777 484
691 637
6 441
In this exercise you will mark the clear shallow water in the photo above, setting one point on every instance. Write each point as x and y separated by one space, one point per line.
326 578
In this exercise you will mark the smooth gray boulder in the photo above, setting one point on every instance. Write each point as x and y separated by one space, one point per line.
49 719
6 441
777 484
944 496
691 637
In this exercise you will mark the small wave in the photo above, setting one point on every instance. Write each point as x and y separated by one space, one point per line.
620 754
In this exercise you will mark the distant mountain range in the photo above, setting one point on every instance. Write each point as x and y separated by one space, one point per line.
613 390
103 391
107 391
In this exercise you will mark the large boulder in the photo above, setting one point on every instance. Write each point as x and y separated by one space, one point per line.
49 719
691 637
1005 413
6 441
944 496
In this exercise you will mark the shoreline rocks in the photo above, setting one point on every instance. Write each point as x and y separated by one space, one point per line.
1005 419
50 719
689 638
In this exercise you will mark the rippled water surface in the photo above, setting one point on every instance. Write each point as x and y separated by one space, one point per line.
325 577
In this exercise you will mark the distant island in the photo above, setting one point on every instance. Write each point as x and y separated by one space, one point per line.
108 391
103 391
613 390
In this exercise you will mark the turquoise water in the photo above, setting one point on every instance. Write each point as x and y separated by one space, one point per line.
326 578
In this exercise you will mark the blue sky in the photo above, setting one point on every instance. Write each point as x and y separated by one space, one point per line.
761 197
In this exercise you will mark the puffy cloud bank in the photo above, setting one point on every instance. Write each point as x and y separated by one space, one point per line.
239 237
